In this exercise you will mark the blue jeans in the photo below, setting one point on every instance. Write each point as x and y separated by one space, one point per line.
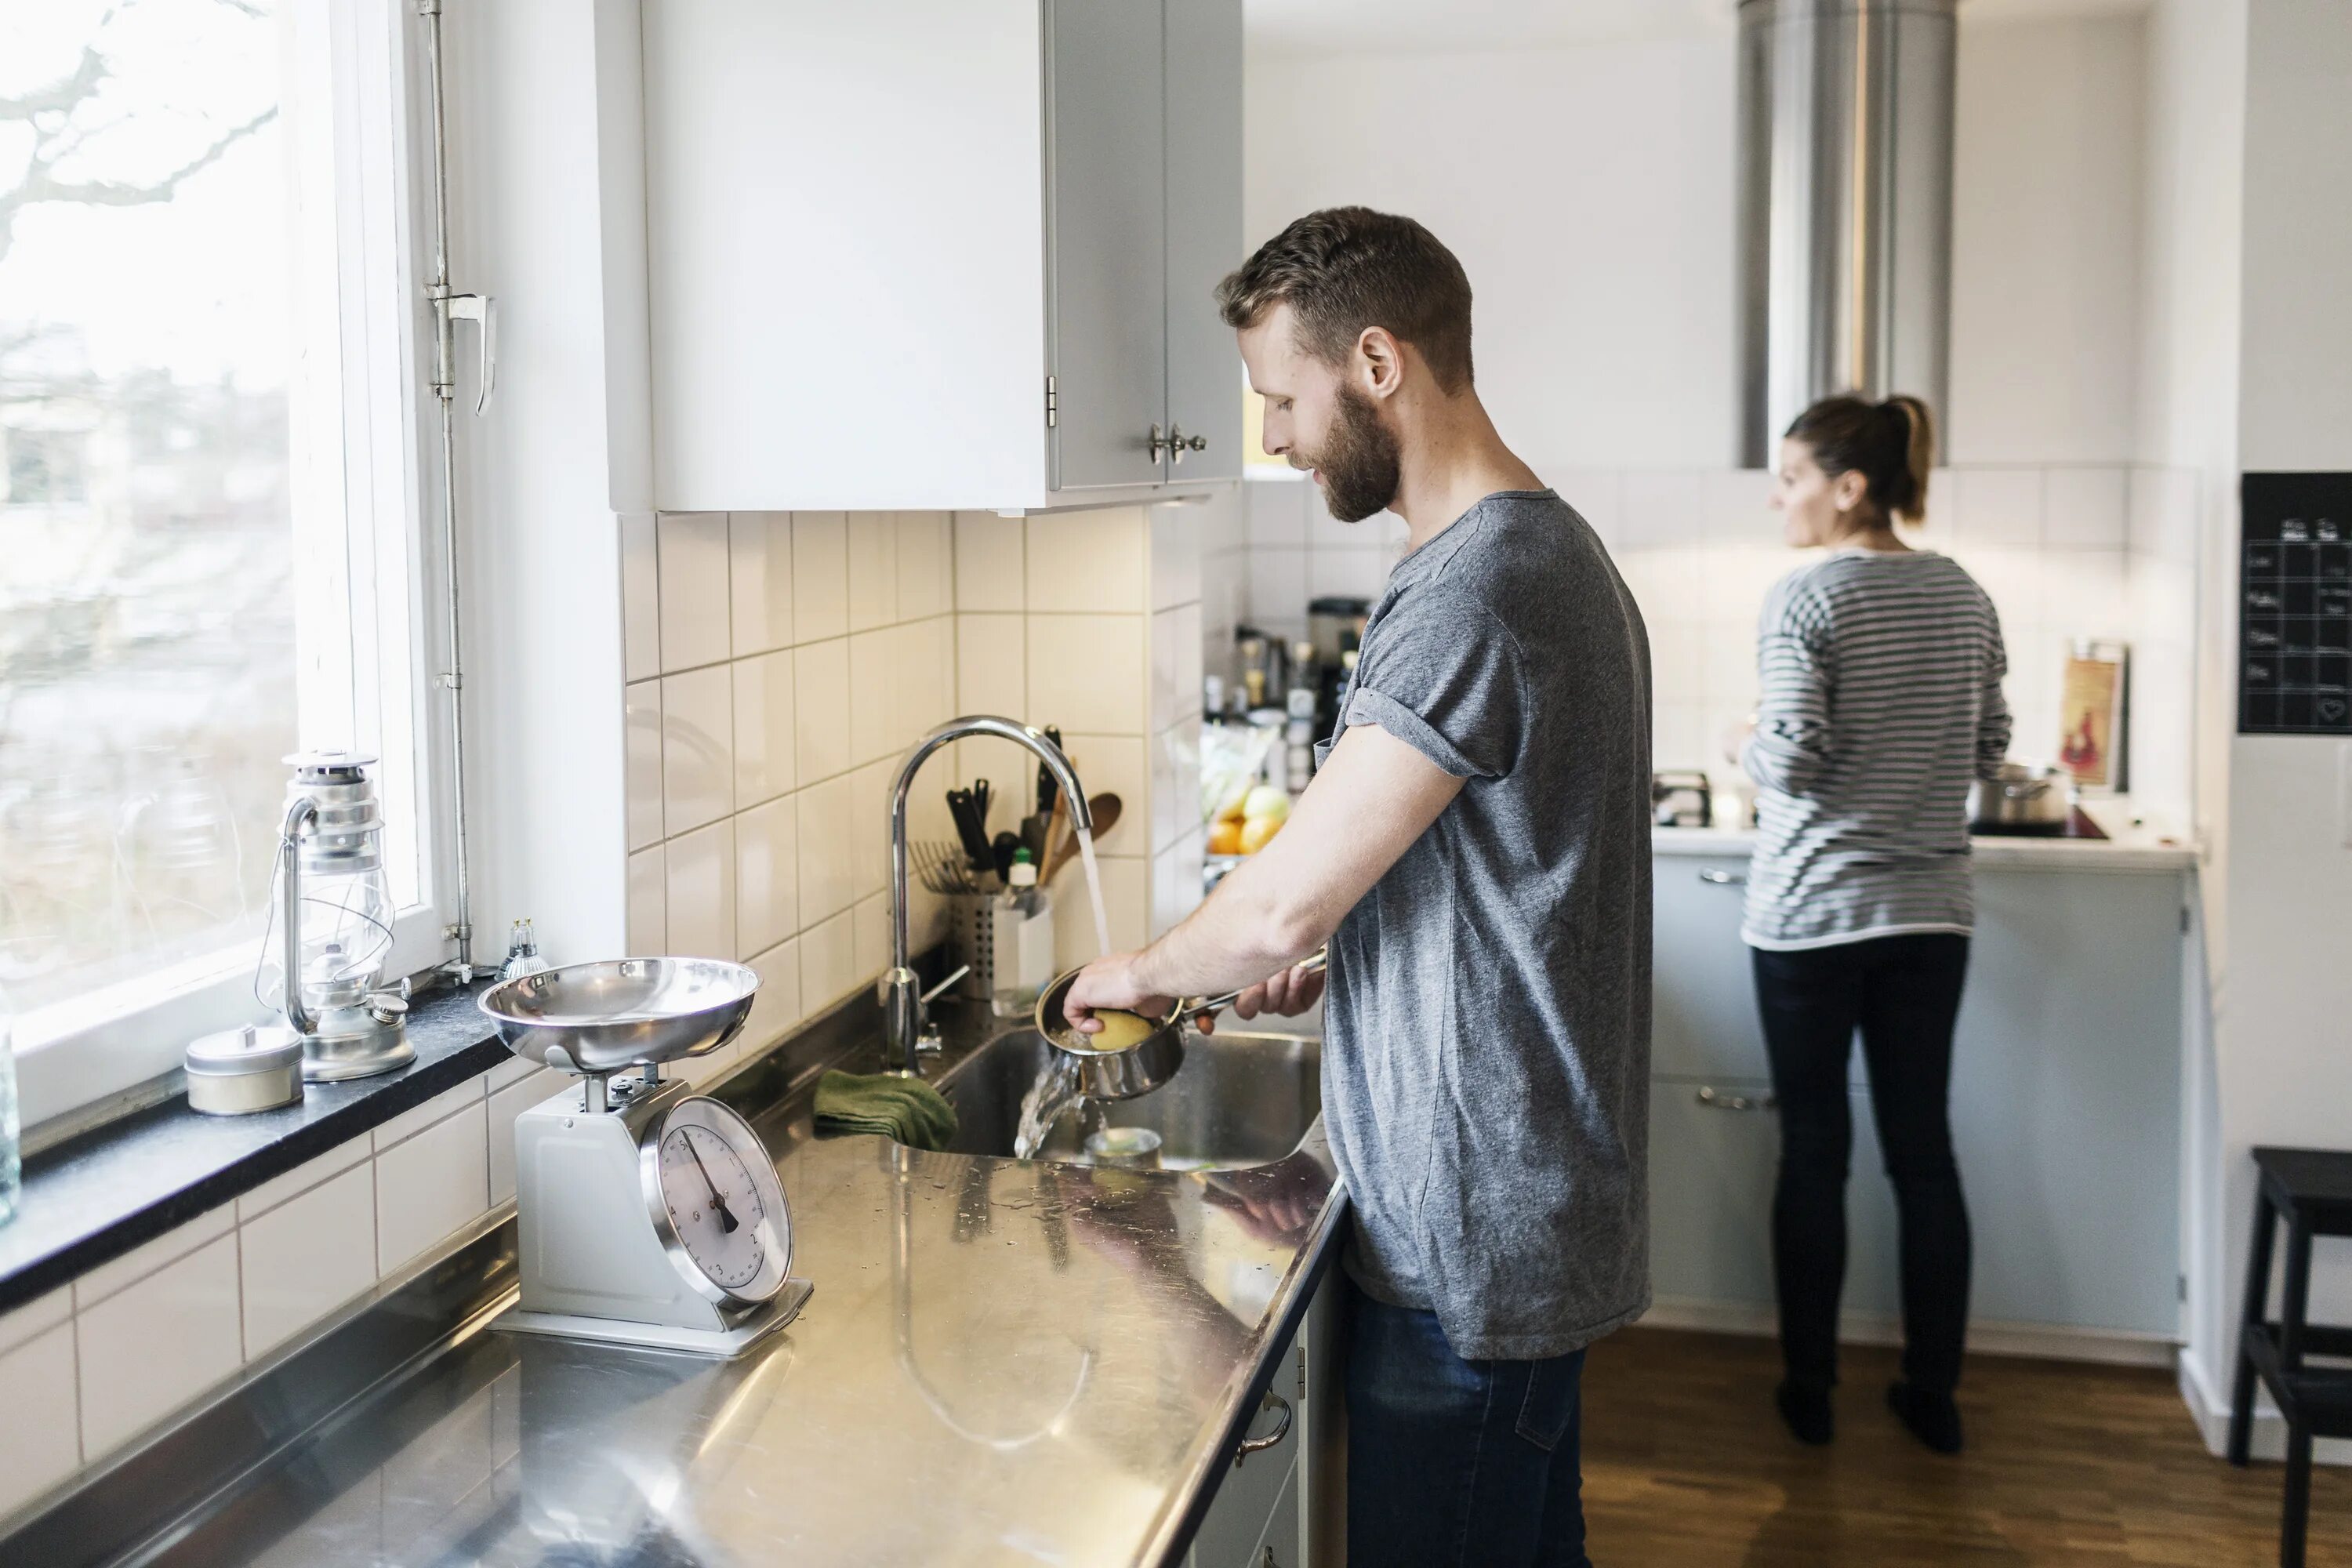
1454 1463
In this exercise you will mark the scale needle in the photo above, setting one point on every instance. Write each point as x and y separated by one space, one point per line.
728 1224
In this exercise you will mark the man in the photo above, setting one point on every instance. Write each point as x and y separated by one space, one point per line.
1476 849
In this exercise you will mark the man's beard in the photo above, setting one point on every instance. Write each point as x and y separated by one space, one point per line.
1360 464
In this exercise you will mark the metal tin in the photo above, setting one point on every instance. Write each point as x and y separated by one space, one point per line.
256 1067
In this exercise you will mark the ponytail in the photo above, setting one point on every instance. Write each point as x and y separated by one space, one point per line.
1891 444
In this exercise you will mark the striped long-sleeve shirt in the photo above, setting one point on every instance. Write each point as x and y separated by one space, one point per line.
1881 702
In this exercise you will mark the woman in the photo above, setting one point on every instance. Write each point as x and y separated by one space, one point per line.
1881 669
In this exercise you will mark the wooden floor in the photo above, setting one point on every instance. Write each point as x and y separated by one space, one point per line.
1686 1466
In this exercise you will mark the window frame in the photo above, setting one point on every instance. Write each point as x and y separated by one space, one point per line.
370 595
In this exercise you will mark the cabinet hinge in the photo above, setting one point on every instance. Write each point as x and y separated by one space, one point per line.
1052 404
1302 1373
2184 919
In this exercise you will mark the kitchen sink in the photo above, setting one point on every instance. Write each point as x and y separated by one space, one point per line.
1240 1100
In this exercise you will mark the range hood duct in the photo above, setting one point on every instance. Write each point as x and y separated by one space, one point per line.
1845 206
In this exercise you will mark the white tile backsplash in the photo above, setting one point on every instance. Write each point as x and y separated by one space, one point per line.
150 1257
37 1317
873 545
760 578
989 565
41 1445
1113 765
1087 673
143 1354
642 753
1177 544
821 716
417 1118
767 863
701 892
648 912
992 665
820 576
1998 508
828 963
307 1256
776 1006
766 732
428 1186
698 728
2084 508
926 565
828 819
1085 561
870 733
694 590
1276 512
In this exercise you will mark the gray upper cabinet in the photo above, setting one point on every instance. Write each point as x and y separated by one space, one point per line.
1204 98
938 253
1109 226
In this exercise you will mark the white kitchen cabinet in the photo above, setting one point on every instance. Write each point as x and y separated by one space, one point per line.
2065 1108
939 253
1289 1500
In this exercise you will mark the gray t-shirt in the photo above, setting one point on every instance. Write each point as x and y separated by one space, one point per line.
1486 1061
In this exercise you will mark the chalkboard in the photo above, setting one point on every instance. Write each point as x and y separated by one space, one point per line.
2294 604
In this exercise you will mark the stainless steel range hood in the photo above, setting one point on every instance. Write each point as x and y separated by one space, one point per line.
1845 206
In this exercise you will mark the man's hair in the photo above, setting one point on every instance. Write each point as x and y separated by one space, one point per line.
1345 268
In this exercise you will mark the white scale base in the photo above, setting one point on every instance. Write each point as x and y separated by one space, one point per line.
755 1326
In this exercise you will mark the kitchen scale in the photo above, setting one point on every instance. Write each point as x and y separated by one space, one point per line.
649 1215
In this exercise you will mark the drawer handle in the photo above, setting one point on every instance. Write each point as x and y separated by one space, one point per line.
1724 878
1714 1102
1248 1446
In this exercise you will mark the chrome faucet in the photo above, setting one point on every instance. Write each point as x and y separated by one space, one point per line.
903 1002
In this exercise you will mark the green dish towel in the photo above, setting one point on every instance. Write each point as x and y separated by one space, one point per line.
906 1109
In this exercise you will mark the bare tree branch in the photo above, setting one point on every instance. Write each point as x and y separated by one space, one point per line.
39 184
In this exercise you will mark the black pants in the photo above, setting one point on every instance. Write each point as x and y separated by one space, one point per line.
1904 995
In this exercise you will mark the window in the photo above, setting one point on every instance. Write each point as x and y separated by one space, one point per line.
209 550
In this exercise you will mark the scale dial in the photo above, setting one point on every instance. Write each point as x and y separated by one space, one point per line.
711 1188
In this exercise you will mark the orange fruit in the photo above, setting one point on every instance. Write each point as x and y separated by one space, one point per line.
1225 838
1256 831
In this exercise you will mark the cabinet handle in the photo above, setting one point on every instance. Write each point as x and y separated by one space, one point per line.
1175 443
1714 1102
1248 1446
1724 878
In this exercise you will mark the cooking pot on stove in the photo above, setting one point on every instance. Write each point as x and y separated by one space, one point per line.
2021 798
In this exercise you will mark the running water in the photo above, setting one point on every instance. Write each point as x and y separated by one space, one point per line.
1052 1094
1094 890
1056 1088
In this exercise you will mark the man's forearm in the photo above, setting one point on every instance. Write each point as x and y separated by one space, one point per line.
1240 934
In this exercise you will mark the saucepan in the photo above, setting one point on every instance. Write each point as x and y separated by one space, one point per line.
2022 798
1144 1064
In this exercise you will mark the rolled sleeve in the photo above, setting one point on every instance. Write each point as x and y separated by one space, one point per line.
1448 683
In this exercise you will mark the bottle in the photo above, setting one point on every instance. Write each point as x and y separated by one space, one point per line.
11 1169
1021 942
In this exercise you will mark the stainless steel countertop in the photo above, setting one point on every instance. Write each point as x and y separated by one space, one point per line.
1004 1362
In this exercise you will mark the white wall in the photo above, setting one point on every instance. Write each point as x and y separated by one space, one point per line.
1589 191
1589 194
2046 195
2283 999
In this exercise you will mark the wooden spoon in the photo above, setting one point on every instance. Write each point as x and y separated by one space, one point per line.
1061 847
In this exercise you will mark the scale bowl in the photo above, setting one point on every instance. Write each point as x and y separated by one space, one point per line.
620 1013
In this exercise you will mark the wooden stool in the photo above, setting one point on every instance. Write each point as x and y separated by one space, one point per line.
2311 1189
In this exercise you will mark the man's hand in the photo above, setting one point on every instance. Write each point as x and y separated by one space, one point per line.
1110 982
1288 993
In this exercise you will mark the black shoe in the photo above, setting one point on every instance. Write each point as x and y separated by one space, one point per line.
1807 1412
1933 1418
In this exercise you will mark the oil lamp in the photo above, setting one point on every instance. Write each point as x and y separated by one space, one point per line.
336 917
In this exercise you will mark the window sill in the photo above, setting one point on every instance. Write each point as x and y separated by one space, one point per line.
93 1198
